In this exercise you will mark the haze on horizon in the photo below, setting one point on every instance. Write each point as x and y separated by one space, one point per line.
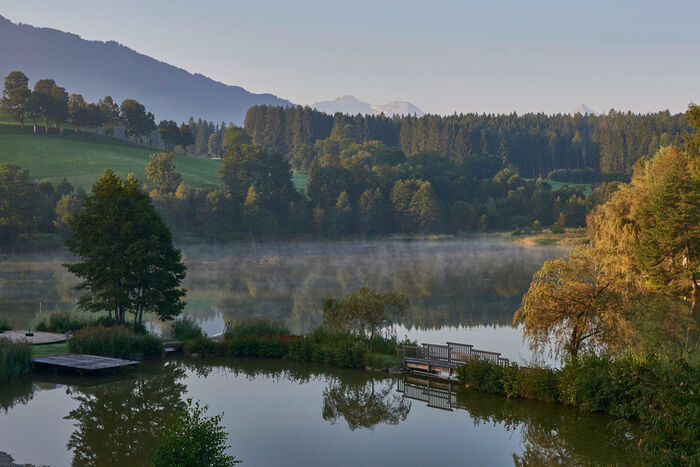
444 57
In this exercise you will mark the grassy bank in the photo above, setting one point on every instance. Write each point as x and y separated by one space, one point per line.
663 395
570 237
82 159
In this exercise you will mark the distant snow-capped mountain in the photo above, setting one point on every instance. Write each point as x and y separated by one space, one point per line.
583 109
353 106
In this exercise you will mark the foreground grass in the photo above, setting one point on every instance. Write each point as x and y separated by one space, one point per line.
82 159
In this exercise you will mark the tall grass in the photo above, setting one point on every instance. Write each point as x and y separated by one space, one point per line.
114 341
15 358
186 329
67 321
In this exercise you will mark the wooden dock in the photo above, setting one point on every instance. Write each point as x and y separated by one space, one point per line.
82 362
436 359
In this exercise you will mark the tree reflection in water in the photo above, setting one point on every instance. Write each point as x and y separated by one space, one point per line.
118 423
551 434
364 404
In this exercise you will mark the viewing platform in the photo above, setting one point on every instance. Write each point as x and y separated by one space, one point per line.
443 360
82 362
36 337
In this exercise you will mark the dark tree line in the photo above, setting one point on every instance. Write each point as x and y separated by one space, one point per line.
534 144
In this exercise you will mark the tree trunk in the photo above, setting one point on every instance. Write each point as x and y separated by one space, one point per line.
371 338
34 126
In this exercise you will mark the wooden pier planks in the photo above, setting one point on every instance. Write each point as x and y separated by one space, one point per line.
82 362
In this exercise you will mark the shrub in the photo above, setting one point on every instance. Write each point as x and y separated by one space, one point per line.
482 376
150 345
63 321
585 382
114 341
333 346
259 328
5 325
15 358
539 384
201 346
186 329
193 440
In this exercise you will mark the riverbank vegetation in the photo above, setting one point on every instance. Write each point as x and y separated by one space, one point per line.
15 358
595 305
115 342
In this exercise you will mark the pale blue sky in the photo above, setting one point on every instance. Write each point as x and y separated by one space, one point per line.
444 56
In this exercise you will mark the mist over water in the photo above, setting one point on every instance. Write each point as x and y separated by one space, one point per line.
463 290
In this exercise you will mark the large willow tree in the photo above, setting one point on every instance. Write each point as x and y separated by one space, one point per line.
128 264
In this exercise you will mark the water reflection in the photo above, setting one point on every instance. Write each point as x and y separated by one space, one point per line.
118 423
551 434
116 419
364 405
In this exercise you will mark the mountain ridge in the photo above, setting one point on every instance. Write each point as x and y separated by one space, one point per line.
97 68
350 104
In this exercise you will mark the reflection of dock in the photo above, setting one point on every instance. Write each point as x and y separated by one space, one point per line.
437 394
443 360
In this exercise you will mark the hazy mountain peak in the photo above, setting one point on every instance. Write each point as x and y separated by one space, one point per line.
96 69
583 109
351 105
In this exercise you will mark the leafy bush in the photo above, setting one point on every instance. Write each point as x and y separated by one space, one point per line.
150 345
258 328
203 346
114 341
5 325
662 394
193 440
186 329
328 345
15 358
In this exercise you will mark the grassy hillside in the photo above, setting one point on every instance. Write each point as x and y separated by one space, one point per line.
82 159
586 187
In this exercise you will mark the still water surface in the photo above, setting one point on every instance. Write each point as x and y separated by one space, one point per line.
283 412
462 290
280 412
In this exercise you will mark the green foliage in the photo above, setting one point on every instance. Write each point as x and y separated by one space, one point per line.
161 172
661 394
193 440
15 358
67 321
255 338
186 329
5 325
364 311
114 341
332 346
128 262
17 209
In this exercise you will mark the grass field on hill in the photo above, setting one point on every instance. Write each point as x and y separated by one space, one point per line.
555 185
83 159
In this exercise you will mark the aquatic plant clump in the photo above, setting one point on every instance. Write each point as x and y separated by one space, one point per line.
115 341
15 358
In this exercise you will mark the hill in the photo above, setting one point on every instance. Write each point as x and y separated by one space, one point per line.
82 159
96 69
352 106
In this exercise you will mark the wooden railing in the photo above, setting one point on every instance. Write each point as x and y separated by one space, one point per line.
452 354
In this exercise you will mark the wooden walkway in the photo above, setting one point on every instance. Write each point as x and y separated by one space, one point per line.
437 359
82 362
38 338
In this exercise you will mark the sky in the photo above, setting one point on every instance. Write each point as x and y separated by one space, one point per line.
492 56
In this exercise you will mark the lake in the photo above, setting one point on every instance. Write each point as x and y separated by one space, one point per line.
279 412
461 290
